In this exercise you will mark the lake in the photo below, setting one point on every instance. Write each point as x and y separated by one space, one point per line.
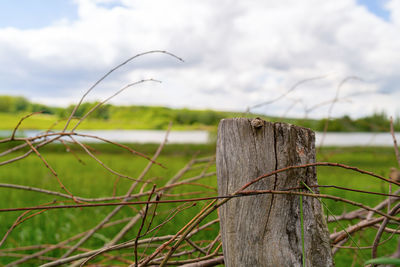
132 136
356 139
202 137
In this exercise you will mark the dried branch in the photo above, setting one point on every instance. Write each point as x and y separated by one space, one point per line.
286 93
61 244
381 230
109 98
212 244
206 262
396 148
118 208
20 121
103 164
51 169
319 164
108 73
342 235
255 192
134 220
141 226
148 241
93 252
334 101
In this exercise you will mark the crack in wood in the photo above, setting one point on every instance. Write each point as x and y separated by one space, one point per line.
264 230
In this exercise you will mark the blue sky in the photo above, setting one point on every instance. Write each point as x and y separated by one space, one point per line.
236 54
28 14
377 7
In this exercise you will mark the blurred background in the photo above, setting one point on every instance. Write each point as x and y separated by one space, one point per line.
237 54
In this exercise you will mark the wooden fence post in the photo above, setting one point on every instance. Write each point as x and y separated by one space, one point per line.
265 230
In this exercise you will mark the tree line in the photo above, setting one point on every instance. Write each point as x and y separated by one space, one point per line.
161 116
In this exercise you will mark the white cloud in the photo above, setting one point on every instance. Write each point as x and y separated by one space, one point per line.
237 54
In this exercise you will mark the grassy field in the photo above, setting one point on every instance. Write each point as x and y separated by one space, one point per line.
91 180
377 160
44 121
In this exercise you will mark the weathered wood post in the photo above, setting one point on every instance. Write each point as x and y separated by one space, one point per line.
265 230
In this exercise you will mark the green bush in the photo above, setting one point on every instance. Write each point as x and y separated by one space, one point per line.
13 104
103 112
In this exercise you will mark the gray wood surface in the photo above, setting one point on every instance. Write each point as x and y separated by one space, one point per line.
264 230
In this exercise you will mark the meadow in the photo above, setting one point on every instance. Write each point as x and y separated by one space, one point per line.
87 178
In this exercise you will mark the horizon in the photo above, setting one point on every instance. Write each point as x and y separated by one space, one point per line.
376 112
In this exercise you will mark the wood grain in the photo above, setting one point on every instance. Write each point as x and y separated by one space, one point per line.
264 230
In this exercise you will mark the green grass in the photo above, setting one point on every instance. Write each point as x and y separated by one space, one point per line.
44 121
91 180
40 121
377 160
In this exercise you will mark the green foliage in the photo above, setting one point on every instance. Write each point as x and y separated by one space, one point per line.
40 108
13 104
103 112
18 104
343 124
154 117
204 117
377 122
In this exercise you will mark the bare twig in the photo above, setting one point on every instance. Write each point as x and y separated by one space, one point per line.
206 262
118 208
141 226
51 169
109 98
148 241
20 121
212 244
333 102
286 93
133 221
61 244
93 252
381 230
319 164
108 73
396 148
102 163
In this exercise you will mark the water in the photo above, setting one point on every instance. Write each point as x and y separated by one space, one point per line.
356 139
133 136
202 137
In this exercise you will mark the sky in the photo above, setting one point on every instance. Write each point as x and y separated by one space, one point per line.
238 55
